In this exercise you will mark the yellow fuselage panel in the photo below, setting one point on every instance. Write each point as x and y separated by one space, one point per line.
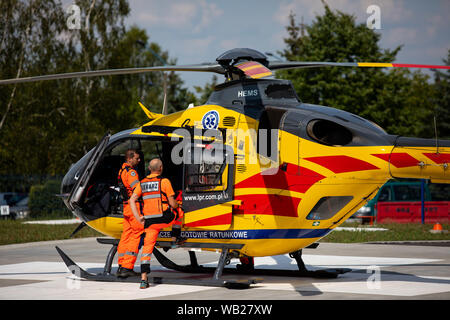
276 195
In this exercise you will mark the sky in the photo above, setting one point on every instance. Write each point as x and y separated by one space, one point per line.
197 31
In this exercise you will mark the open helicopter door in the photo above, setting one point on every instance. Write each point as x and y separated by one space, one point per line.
84 174
208 183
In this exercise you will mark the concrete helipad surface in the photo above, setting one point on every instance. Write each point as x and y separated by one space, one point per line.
379 271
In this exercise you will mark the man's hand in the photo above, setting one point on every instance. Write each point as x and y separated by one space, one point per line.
172 202
138 217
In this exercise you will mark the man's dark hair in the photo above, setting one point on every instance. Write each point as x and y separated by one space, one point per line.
129 154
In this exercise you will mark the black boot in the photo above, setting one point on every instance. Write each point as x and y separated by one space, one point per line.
125 273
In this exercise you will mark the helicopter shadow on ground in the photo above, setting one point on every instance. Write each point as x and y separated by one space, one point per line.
355 282
360 274
387 279
284 260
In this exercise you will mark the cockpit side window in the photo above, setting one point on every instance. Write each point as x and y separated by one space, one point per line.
206 169
328 207
281 91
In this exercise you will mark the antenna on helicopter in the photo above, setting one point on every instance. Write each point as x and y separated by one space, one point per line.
436 135
164 63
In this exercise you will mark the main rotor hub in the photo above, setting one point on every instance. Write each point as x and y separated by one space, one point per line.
231 57
237 61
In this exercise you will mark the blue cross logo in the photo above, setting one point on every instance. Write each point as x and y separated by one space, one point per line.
210 120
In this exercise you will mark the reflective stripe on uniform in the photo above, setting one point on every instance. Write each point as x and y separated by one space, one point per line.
151 196
145 258
153 216
133 183
134 254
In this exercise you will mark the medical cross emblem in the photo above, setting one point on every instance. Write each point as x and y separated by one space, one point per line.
210 120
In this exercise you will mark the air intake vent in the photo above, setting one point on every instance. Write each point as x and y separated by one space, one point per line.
229 121
329 133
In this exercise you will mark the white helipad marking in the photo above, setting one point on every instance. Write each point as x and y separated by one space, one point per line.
354 262
358 229
390 284
61 290
60 284
44 271
328 261
358 283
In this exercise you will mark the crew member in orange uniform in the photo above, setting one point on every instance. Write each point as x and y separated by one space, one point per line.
128 248
158 196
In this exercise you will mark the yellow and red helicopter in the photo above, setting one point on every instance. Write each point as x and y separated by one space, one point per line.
260 172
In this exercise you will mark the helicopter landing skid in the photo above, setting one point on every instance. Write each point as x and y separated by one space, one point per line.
194 267
216 281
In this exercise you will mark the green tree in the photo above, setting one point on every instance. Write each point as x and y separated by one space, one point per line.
205 91
398 100
46 126
43 202
442 108
136 50
32 114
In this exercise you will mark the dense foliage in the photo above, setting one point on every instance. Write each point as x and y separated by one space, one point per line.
46 126
402 101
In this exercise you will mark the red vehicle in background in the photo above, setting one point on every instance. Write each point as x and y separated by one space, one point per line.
401 202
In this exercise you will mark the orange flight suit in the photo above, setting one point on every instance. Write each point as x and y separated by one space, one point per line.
128 247
155 192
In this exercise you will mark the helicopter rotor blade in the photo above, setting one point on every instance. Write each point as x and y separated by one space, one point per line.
278 65
217 68
251 69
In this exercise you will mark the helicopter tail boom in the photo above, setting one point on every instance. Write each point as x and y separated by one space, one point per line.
419 159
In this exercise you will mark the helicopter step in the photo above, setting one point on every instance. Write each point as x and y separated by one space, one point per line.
165 245
215 281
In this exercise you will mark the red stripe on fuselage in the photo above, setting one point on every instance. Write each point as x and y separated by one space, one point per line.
295 178
213 221
341 164
438 158
268 204
399 160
